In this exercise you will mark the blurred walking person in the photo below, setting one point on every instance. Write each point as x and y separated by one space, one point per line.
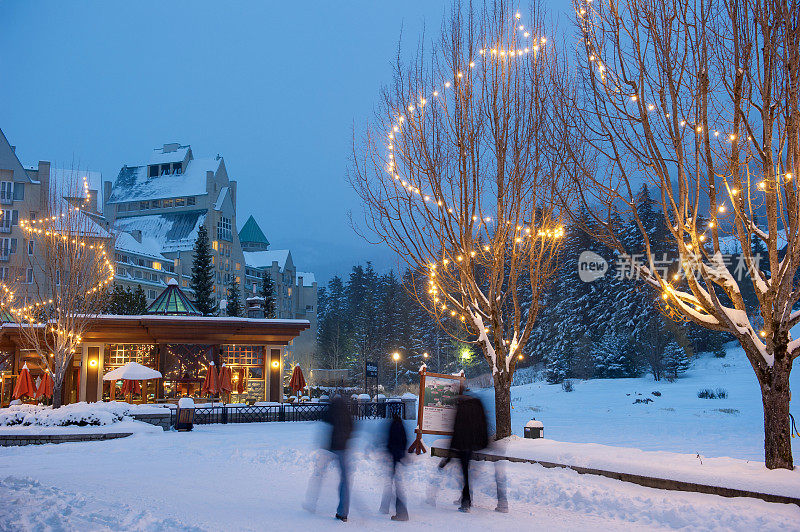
396 445
470 434
341 428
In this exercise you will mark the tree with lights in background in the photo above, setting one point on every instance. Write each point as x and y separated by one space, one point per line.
457 178
701 99
62 279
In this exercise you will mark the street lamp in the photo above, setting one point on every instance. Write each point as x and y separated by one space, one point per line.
396 357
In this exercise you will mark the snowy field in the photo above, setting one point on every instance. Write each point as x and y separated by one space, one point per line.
254 476
604 410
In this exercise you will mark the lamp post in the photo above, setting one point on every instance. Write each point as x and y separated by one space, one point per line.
396 357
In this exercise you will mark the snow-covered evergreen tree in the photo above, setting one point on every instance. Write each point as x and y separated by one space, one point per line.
202 280
675 361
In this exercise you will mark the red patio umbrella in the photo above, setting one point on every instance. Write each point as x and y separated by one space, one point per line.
131 386
240 383
298 382
211 382
45 388
225 379
24 384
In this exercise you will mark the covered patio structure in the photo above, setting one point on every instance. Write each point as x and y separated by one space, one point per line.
179 346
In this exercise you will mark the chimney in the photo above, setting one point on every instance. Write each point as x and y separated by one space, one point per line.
44 179
171 147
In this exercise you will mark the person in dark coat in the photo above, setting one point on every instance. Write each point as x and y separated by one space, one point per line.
396 445
470 434
341 428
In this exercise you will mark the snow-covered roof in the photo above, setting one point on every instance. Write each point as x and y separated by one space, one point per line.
164 232
308 278
177 155
65 176
221 198
263 259
148 247
132 183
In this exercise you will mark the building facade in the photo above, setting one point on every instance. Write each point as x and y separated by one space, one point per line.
295 292
156 210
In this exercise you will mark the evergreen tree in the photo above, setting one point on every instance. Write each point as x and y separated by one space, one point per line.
202 281
675 361
268 293
234 307
124 302
333 324
138 301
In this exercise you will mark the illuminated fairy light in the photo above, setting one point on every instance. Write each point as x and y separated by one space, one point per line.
397 126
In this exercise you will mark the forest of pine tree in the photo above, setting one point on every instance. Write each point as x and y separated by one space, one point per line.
610 328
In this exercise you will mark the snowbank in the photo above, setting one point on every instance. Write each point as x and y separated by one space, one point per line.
722 472
80 414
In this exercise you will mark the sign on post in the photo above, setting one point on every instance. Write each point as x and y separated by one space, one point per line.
438 395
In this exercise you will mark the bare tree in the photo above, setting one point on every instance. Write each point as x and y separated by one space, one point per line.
701 98
457 178
62 278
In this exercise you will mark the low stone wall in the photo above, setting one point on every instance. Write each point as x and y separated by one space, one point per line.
159 420
9 440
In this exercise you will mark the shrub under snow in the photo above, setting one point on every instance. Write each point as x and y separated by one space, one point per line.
80 414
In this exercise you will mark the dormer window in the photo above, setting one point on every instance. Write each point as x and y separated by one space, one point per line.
152 170
165 170
177 168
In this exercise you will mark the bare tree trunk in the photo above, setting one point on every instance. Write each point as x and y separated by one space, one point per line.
502 404
775 397
58 386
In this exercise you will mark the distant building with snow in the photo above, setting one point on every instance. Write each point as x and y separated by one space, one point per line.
156 210
295 292
25 194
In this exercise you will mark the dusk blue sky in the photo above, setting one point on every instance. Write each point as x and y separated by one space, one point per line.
274 87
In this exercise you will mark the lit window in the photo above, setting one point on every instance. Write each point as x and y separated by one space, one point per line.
156 265
215 245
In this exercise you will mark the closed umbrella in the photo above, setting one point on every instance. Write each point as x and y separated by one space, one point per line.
24 384
225 380
211 382
298 382
240 383
130 386
45 388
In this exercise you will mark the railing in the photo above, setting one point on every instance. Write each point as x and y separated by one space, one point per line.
206 415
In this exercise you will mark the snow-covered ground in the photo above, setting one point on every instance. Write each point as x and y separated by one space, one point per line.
254 476
604 410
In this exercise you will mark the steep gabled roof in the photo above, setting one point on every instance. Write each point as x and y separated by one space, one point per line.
10 161
167 232
251 232
133 184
